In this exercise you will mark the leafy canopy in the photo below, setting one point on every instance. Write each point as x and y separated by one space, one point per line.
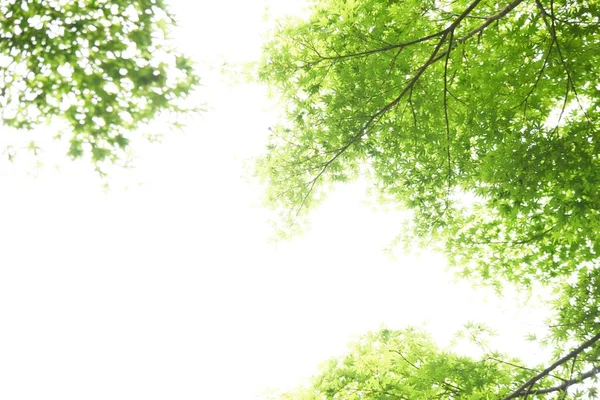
406 364
104 66
480 116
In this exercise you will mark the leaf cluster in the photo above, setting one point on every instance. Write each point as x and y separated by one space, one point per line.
104 66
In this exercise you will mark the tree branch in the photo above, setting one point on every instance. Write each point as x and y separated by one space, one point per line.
527 387
566 384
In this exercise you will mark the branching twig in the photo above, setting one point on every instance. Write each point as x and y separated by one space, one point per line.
567 384
539 76
550 21
404 358
447 119
520 367
527 387
396 46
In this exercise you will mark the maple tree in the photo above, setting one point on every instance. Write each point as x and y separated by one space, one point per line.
481 117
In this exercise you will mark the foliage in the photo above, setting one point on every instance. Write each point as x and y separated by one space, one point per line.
479 116
406 364
104 66
445 101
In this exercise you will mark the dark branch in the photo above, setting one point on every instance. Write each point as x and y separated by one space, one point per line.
527 387
566 384
396 46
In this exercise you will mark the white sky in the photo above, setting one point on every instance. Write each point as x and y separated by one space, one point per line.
171 289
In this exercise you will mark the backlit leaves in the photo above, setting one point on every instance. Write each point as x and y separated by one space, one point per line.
481 117
441 101
406 364
105 66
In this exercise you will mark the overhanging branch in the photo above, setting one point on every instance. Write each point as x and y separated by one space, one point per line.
527 387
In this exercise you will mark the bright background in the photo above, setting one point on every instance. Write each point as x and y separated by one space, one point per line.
167 286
